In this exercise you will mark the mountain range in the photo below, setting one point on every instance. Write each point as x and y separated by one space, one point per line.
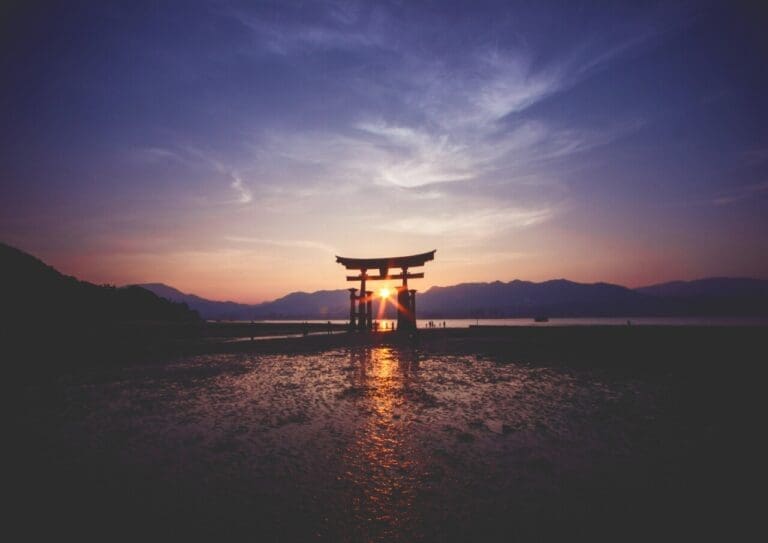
31 289
556 298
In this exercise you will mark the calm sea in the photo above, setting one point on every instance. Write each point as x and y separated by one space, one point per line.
582 321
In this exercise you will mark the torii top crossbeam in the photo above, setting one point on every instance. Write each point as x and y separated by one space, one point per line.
386 263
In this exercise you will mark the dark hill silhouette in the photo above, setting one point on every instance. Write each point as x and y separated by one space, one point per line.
55 320
556 298
33 291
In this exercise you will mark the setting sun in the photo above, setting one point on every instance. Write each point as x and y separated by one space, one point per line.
384 292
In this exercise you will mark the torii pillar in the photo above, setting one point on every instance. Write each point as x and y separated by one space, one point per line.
406 305
361 320
352 312
369 310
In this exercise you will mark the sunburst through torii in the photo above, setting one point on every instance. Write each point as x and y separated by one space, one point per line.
361 317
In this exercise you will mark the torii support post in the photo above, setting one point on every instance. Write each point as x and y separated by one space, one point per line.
413 307
406 309
406 306
361 303
403 309
369 310
352 316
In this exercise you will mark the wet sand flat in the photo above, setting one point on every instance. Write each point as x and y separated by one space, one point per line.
379 443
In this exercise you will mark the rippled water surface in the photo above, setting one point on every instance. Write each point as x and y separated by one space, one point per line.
374 444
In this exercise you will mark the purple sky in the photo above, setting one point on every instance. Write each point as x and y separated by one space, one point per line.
230 149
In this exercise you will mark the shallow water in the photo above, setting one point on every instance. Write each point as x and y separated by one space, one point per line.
562 321
375 444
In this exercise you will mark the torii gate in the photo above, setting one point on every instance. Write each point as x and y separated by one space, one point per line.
361 318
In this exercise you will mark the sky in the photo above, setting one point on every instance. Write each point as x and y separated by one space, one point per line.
231 149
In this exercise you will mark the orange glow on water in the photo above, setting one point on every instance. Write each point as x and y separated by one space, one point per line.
383 457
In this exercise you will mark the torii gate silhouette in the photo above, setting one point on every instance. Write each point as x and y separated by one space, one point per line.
360 318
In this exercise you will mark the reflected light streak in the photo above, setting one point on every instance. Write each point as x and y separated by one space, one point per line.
382 463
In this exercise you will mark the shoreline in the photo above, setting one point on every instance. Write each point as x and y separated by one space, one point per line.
618 348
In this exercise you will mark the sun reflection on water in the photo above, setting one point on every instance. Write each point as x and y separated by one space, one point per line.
383 465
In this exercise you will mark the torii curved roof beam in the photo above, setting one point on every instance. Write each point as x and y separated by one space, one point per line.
386 263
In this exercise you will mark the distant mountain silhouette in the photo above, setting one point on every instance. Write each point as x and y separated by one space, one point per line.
556 298
33 291
320 304
208 309
297 305
331 304
714 287
714 296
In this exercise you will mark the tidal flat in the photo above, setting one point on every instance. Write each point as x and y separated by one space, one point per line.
378 443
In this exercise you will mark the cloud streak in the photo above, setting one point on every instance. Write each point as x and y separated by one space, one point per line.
290 243
740 194
244 194
474 224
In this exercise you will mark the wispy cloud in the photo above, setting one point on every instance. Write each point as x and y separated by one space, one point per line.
477 223
198 160
330 27
741 193
438 117
154 154
487 257
458 130
244 194
756 155
291 243
411 157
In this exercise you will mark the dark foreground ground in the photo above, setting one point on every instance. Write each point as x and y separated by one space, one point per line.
587 433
